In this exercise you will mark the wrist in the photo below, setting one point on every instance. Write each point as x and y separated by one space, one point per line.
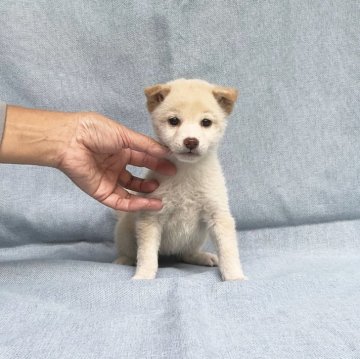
36 137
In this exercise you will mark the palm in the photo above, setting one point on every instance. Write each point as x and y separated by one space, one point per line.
96 161
99 174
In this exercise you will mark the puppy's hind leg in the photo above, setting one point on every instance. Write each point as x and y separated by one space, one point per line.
124 260
201 259
194 254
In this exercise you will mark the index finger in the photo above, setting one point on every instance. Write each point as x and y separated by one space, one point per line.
160 165
142 143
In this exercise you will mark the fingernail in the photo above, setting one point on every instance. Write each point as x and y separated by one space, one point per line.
155 204
167 151
173 170
170 169
154 184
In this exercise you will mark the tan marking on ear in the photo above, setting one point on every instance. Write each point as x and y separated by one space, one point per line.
155 95
226 97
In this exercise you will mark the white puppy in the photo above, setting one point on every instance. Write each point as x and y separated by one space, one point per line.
189 117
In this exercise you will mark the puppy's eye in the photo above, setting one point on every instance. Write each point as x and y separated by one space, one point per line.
206 123
174 121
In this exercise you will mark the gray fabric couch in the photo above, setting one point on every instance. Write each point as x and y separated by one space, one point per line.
290 157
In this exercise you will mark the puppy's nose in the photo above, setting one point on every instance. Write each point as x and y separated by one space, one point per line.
191 143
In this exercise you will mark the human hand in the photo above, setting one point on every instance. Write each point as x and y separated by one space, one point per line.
96 159
92 150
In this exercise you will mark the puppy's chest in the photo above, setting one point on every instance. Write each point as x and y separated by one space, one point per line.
186 197
182 218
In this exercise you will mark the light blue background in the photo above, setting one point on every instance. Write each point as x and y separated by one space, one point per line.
290 156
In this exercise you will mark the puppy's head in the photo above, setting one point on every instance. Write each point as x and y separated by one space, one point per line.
189 115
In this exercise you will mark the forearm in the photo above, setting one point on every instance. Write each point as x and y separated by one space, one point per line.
35 137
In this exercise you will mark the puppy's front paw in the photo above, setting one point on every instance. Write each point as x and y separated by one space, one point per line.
234 276
139 276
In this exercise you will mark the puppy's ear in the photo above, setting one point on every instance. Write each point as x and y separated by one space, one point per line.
155 95
226 97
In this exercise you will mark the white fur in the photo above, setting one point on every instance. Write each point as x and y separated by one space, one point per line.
195 199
